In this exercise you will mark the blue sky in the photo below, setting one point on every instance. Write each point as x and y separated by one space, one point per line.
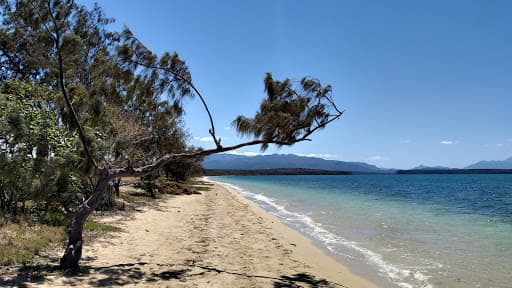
422 82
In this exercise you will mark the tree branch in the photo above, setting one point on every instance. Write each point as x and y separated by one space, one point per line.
43 24
141 171
81 133
191 85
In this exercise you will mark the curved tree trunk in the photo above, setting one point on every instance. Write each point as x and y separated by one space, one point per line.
73 253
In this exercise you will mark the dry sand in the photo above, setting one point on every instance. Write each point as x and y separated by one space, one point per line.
216 239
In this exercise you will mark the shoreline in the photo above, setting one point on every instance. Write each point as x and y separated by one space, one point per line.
215 239
305 247
356 266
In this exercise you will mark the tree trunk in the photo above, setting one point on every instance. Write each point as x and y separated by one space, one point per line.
108 197
150 188
2 199
117 184
73 253
14 205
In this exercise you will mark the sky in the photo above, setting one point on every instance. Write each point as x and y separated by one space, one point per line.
421 82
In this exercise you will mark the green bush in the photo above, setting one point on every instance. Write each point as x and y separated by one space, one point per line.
55 219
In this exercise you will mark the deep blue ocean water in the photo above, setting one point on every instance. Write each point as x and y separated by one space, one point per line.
399 230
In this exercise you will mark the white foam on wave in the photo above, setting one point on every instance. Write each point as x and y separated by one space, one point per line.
396 275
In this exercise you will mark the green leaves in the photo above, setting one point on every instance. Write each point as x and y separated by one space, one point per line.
30 120
34 144
290 113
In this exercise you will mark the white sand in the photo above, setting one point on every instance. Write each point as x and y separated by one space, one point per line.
216 239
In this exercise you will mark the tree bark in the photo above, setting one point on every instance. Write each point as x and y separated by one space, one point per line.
117 184
73 253
150 186
2 199
14 205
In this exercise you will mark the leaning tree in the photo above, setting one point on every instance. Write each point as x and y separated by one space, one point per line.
124 101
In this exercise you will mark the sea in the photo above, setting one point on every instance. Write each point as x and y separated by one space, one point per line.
399 230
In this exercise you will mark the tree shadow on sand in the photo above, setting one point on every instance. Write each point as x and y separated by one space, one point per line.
303 280
105 276
131 273
25 274
294 281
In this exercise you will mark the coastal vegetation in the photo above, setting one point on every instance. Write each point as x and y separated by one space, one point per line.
82 107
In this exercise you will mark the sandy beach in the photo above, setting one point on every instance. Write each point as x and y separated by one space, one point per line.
216 239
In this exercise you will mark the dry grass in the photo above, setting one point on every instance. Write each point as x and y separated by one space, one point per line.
199 185
132 189
100 227
19 243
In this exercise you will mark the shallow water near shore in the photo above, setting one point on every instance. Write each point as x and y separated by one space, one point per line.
402 230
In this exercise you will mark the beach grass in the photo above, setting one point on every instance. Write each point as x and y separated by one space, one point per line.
21 242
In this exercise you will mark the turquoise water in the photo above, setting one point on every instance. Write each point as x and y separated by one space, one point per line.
405 230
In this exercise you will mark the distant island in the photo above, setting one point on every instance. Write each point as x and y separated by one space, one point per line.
455 171
423 167
482 167
505 164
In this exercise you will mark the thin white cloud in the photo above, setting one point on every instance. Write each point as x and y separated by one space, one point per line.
204 139
378 158
405 141
500 145
446 142
208 138
227 128
247 153
318 155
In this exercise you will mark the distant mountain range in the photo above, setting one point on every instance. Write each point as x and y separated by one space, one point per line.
505 164
285 161
291 161
482 165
